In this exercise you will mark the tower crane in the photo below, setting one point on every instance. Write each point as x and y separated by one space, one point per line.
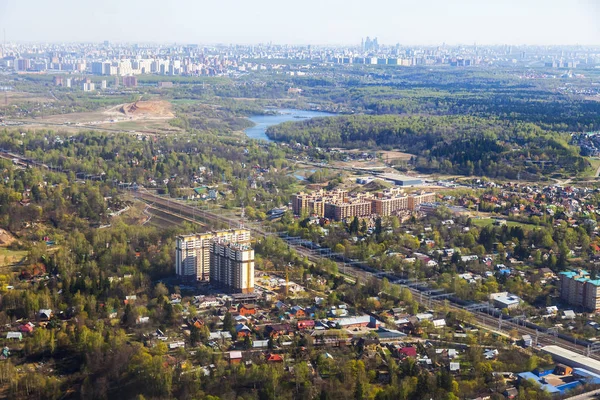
287 277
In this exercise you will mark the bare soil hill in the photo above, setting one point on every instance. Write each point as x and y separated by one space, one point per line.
147 109
6 238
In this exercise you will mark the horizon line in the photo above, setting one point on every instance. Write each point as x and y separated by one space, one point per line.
271 43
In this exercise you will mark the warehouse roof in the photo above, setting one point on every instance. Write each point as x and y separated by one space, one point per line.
573 359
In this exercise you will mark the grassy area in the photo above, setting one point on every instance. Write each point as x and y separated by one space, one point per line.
595 164
8 258
185 101
489 221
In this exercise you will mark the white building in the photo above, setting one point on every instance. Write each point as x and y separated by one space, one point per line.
223 257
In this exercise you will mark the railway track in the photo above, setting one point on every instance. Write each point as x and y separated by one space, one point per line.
482 319
193 214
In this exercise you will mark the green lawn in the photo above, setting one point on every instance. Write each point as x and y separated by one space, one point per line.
185 101
8 258
595 164
489 221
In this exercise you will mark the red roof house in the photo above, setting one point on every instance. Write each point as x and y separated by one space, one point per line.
408 351
274 358
306 324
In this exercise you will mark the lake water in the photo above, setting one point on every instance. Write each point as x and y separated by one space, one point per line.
283 115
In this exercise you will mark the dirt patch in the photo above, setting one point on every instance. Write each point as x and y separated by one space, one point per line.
147 109
141 116
394 155
6 239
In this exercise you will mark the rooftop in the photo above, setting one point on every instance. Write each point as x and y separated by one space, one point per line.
573 359
581 276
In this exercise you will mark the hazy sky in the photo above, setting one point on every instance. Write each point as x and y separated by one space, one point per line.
304 21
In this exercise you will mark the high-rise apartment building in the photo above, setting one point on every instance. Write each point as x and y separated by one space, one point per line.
579 289
23 64
224 257
232 265
88 86
130 81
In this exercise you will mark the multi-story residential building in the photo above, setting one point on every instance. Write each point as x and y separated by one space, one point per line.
387 202
343 210
578 289
415 199
97 68
23 64
195 258
232 265
339 205
314 203
129 81
88 86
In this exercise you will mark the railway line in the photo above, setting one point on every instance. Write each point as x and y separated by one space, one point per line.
195 215
481 318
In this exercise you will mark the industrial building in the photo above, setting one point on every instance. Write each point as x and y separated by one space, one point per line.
579 289
402 180
223 257
505 300
572 359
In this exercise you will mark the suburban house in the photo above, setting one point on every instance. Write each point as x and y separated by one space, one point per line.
357 322
306 324
298 312
197 322
274 358
45 314
26 328
242 330
235 357
247 309
408 351
14 335
277 330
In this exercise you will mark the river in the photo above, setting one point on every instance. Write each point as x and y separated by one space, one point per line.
283 115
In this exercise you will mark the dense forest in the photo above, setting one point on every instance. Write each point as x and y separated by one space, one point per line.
455 144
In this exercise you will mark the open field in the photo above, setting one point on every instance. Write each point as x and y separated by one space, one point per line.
144 109
143 116
9 258
594 169
11 98
135 215
389 156
482 222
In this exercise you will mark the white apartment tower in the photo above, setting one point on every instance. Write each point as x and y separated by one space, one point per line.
224 257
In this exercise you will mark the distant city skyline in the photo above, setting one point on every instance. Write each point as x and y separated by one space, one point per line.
333 22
